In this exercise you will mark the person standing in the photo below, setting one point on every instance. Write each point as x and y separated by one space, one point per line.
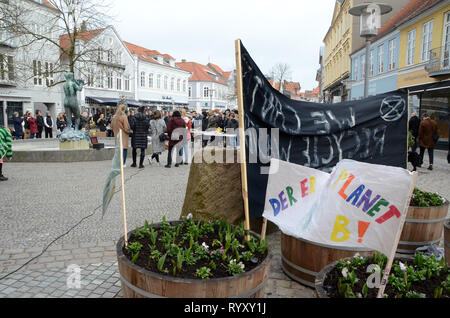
48 123
157 128
140 126
414 124
176 122
40 124
427 138
33 126
61 122
120 121
232 127
5 148
101 123
26 125
184 151
18 128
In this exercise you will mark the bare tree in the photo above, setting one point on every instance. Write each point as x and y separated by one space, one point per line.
279 73
56 35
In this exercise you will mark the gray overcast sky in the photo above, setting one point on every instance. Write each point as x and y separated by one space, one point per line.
288 31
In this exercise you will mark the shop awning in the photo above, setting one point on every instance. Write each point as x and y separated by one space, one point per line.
111 101
429 87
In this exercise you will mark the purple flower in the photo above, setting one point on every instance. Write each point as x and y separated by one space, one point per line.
221 250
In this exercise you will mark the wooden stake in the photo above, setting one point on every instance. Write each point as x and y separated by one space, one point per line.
264 229
124 210
397 239
242 138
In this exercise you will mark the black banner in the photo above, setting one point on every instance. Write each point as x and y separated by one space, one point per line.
315 135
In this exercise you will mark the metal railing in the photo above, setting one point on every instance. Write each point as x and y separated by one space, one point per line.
439 61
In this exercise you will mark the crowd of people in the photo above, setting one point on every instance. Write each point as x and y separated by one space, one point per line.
160 125
31 126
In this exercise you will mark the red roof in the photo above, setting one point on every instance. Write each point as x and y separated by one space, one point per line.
199 72
147 55
65 42
48 4
413 8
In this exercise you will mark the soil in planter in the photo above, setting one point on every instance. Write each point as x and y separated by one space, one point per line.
189 271
426 287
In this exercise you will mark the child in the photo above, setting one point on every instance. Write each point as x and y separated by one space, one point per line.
5 148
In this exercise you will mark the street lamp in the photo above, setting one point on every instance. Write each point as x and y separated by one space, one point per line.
370 22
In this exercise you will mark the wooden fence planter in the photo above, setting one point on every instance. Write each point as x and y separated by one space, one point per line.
138 282
302 260
447 240
423 226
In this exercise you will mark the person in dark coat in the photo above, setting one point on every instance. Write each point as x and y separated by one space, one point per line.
101 123
414 124
427 129
40 124
176 122
18 126
48 123
140 126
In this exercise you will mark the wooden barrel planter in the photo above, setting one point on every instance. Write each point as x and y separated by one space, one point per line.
302 260
138 282
423 226
447 241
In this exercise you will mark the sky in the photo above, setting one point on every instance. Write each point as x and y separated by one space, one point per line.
273 31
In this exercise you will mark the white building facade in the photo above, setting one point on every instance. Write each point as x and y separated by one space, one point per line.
160 84
26 73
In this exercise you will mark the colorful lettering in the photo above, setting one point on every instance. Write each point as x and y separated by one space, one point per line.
290 193
376 207
366 200
356 194
275 206
312 185
304 188
283 201
389 214
347 183
340 228
342 177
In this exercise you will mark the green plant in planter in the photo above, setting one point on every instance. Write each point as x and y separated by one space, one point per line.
235 268
426 199
135 250
203 273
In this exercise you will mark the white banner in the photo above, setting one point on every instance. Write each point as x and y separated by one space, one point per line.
358 205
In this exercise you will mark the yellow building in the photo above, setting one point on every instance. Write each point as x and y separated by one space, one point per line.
342 38
424 61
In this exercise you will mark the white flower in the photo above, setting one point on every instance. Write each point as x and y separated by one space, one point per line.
205 246
242 265
356 255
189 216
402 267
345 272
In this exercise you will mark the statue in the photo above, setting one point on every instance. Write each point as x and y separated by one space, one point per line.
71 107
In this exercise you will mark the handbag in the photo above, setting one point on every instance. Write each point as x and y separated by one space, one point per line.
162 137
435 137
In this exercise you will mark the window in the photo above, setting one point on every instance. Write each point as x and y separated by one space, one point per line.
158 81
371 68
90 78
190 91
184 86
49 74
446 45
205 91
119 82
37 73
172 84
178 85
363 66
7 68
380 59
110 80
355 69
142 79
110 56
127 83
427 38
100 79
391 55
165 82
150 80
100 54
410 48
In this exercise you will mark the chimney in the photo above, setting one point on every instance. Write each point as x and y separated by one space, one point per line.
183 61
83 27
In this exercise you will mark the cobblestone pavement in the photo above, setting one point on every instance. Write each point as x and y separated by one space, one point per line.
37 207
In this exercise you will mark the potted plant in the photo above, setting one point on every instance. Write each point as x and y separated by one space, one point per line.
424 222
190 259
418 277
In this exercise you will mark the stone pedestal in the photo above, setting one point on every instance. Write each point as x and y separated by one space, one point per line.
80 144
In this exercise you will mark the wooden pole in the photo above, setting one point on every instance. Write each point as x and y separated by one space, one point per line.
242 138
264 229
397 239
124 210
